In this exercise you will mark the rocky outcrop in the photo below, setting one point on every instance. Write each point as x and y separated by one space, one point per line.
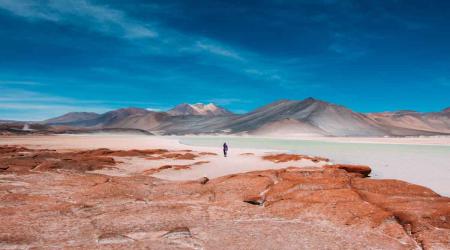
277 158
360 169
291 208
21 160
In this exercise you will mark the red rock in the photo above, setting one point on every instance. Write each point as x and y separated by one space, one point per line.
22 160
207 153
277 158
359 169
180 156
423 213
293 208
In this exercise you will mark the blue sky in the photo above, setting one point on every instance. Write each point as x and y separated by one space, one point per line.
58 56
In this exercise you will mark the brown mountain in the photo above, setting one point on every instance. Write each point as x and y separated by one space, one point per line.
285 117
421 123
72 117
309 116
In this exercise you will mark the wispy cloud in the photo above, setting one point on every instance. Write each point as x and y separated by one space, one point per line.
23 96
81 13
218 50
15 82
150 39
144 38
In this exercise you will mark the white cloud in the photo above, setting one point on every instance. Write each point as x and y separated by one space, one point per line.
146 39
104 19
28 9
218 50
82 13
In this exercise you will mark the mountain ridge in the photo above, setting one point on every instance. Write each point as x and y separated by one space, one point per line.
283 117
72 116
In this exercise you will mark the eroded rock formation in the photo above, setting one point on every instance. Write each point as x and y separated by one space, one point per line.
63 206
277 158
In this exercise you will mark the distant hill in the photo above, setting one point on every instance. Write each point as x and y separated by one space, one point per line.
72 117
421 123
309 117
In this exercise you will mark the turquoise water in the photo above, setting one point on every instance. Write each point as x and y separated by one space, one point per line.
427 165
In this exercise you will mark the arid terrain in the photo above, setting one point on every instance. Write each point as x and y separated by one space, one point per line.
225 124
78 194
309 117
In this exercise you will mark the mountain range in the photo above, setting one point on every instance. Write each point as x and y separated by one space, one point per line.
309 117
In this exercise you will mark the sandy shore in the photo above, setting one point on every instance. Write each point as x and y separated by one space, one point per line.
239 160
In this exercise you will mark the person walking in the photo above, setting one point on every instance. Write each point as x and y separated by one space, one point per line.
225 149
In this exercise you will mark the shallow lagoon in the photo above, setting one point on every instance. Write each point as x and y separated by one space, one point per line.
427 165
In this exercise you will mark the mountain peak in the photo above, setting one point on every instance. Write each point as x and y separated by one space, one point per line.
314 100
200 109
204 106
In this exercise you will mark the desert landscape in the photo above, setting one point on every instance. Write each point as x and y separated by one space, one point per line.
298 175
225 124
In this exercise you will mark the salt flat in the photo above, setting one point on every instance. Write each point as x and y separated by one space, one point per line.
424 161
419 160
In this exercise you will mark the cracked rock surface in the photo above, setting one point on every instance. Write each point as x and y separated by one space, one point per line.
49 200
